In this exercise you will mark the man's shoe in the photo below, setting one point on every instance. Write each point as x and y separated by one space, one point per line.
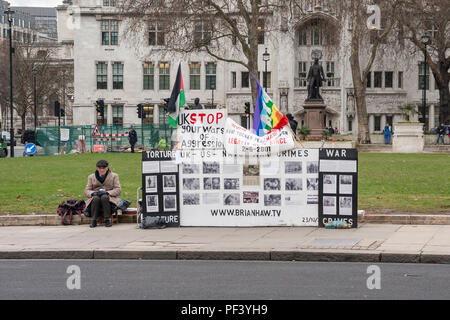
108 223
93 223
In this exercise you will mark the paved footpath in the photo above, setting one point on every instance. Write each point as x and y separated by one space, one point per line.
368 243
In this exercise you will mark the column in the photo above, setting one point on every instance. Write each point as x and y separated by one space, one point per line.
156 114
109 116
371 123
431 123
383 121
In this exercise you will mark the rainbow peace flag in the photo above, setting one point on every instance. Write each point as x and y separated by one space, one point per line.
267 117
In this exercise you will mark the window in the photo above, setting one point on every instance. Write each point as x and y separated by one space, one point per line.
117 112
330 73
350 125
377 123
316 33
244 80
164 76
156 34
302 38
377 79
233 79
102 75
109 3
194 76
369 79
400 79
211 76
110 32
266 79
432 29
422 77
302 73
261 31
117 75
233 37
202 33
149 74
149 117
388 77
389 120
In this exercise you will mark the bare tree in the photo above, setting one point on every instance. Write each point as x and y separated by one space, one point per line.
374 39
4 81
227 30
433 17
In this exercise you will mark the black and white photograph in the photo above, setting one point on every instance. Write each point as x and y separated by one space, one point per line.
191 183
270 167
312 167
211 198
231 183
293 167
190 168
251 197
170 202
272 200
293 200
312 199
250 174
292 184
345 206
215 183
346 184
151 184
272 184
312 184
231 199
169 183
211 167
207 184
168 166
152 203
329 205
231 169
150 167
329 183
191 199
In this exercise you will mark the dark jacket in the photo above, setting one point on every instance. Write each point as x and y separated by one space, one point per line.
132 136
441 130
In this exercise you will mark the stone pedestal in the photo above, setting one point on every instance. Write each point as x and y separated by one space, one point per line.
315 117
408 138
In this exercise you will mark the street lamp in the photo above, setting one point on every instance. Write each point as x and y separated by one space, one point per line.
425 39
9 13
212 86
35 99
266 58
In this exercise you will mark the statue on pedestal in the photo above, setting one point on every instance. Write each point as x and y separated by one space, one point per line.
315 78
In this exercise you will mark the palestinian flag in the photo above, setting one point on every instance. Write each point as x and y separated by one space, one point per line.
177 99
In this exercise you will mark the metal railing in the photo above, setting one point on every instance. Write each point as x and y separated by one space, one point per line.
328 83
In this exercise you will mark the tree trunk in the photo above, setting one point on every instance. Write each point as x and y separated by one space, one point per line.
23 118
444 98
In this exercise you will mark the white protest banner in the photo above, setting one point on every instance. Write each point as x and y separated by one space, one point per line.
240 141
65 134
201 129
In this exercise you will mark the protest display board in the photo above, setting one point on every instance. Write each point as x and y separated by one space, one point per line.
241 141
338 187
160 196
201 129
218 189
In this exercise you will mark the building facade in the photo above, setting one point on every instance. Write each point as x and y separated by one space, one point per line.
126 71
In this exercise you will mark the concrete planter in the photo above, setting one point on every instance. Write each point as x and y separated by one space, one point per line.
408 137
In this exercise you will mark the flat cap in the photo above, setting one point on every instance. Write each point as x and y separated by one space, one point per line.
102 164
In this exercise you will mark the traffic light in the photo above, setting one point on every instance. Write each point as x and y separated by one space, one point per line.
63 112
57 110
140 111
247 109
100 106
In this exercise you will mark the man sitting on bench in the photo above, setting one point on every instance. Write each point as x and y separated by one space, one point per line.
102 189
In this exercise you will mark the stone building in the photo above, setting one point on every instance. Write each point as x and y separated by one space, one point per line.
114 68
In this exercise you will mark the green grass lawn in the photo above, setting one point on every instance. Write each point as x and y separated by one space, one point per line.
415 183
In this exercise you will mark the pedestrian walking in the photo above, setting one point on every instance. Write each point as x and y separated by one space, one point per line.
387 133
132 138
292 122
440 133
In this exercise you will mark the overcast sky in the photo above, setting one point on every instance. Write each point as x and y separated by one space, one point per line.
35 3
